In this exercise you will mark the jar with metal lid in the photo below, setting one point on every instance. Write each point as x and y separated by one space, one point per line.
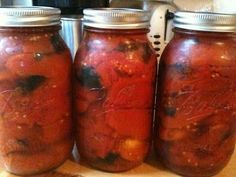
196 118
35 87
115 69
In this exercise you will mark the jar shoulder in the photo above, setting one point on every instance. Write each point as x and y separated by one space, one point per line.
200 48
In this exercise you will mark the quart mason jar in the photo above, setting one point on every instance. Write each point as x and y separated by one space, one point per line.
35 87
115 70
196 118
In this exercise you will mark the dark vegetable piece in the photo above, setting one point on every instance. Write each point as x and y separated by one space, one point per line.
110 158
57 43
226 135
147 52
20 146
30 83
127 47
88 77
22 142
202 129
170 111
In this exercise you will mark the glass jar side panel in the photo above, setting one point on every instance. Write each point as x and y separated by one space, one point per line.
115 77
35 115
196 103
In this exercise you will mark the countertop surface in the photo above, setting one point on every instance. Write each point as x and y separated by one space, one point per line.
151 168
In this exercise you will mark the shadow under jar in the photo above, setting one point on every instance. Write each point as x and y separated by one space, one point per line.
115 69
196 118
35 87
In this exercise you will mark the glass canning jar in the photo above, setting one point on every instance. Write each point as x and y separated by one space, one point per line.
35 87
115 69
196 118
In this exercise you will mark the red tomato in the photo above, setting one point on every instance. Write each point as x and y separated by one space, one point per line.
49 65
130 94
96 138
134 123
133 150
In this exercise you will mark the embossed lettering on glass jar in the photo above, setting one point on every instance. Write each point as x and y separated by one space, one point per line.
115 71
196 118
35 101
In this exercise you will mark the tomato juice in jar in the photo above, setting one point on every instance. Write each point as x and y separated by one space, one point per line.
115 69
35 88
196 118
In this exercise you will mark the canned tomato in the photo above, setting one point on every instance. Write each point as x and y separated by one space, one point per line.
196 117
115 70
35 87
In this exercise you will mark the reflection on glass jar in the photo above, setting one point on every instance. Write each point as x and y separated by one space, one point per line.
35 111
115 71
196 118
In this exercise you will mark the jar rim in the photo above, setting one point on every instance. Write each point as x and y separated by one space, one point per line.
20 16
116 18
205 21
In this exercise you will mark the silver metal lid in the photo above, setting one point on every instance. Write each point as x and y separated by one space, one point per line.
29 16
205 21
116 18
